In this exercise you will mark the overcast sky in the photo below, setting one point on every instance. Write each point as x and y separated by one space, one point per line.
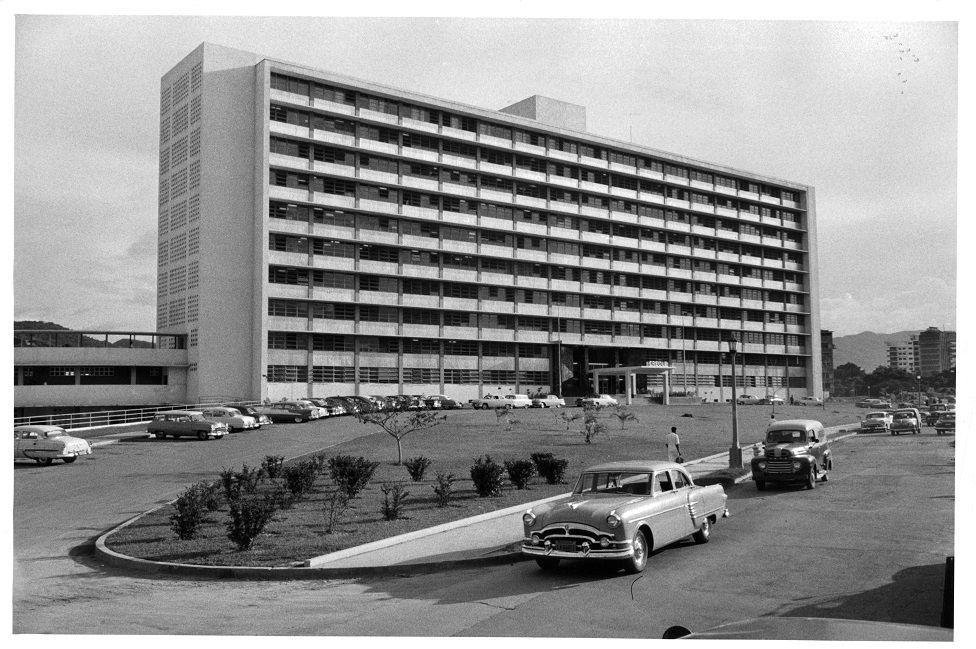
835 105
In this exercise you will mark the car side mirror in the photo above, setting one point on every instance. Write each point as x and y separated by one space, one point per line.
814 439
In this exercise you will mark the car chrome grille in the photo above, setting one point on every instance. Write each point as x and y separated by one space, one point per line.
570 534
779 465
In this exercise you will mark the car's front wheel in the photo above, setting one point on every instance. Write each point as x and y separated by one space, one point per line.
202 435
69 460
760 485
703 533
547 563
160 435
297 420
45 461
812 477
638 561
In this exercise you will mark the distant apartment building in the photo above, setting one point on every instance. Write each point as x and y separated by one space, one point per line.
827 360
936 351
320 234
903 355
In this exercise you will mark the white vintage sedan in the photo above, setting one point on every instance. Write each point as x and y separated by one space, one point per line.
233 417
596 401
45 444
548 401
623 511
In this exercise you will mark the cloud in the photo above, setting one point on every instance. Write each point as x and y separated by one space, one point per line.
929 301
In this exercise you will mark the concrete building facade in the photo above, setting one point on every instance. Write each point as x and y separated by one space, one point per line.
903 355
936 351
320 235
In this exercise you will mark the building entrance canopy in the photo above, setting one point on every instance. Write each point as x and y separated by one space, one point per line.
651 368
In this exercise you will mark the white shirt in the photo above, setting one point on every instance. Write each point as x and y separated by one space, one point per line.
671 439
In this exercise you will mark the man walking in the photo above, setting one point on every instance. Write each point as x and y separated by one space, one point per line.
673 443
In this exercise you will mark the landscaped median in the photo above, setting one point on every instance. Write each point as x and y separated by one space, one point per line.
303 528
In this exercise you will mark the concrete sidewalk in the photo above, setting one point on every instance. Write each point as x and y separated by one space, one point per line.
497 535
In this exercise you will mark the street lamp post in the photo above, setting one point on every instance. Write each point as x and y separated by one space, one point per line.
735 453
918 378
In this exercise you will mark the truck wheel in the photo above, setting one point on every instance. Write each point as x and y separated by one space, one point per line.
547 563
812 477
701 536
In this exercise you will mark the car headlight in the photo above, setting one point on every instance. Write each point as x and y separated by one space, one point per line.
796 465
613 520
528 518
536 539
761 464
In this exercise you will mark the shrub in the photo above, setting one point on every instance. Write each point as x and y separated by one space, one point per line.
248 516
272 465
351 474
335 506
393 496
300 478
592 426
520 472
209 495
487 476
444 488
237 483
551 469
416 467
186 520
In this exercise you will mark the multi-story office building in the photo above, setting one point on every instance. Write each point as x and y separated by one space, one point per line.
320 234
903 355
936 351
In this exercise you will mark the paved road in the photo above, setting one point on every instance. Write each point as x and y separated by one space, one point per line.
870 544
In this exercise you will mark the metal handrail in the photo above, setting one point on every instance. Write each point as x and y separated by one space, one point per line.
114 417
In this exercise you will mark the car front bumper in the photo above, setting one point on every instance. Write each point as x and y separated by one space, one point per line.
616 550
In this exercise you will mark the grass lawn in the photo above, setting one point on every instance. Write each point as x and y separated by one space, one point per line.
299 533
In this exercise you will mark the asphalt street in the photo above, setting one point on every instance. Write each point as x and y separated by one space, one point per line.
869 544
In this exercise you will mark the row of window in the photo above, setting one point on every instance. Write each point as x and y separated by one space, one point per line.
348 249
415 316
602 280
435 202
349 374
391 345
408 110
354 159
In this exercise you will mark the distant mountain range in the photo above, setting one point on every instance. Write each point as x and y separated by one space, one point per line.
87 341
867 349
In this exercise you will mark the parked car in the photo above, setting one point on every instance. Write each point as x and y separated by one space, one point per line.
876 421
936 410
623 511
45 444
747 400
596 401
362 404
318 412
869 403
502 401
251 411
794 451
185 423
285 411
548 401
332 405
906 420
234 418
946 423
772 401
440 401
809 401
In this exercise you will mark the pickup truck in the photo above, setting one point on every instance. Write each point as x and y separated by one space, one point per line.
502 401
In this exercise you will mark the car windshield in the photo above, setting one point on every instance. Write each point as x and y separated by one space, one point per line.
782 436
876 415
55 433
618 482
904 415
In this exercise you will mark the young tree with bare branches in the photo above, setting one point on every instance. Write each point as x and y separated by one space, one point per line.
399 423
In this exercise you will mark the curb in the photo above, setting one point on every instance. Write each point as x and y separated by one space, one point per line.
317 568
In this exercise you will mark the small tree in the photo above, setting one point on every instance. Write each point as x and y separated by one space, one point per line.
248 516
592 426
351 474
623 415
486 474
504 415
444 488
520 472
394 494
335 506
398 424
417 467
